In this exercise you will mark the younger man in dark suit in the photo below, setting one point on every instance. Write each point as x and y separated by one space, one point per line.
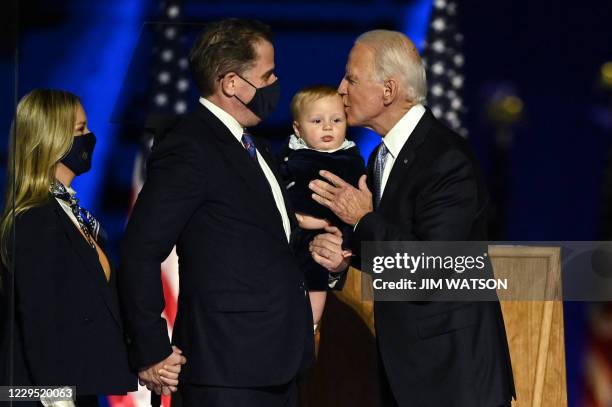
244 319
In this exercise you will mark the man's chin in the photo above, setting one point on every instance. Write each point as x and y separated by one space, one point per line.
252 121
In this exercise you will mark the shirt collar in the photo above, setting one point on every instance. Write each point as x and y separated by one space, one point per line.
227 119
296 143
399 133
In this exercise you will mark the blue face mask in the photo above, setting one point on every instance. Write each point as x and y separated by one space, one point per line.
265 99
79 157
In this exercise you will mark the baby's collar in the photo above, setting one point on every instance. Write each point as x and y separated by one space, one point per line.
296 143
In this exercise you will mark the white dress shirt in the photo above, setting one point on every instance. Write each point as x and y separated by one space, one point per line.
236 129
397 137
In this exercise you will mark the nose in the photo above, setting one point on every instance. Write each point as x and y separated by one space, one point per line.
327 126
342 87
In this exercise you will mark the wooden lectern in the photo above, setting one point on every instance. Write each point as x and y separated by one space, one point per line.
345 373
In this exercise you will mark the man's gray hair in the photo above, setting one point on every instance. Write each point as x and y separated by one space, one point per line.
396 56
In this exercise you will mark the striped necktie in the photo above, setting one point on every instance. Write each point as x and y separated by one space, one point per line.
379 168
247 141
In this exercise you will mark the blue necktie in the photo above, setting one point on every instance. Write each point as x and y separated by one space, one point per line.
247 141
379 168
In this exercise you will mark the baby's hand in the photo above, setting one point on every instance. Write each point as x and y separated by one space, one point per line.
310 222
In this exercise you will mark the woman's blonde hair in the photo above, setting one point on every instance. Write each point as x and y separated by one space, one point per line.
41 135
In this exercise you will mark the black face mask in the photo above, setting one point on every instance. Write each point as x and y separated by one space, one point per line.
79 157
265 99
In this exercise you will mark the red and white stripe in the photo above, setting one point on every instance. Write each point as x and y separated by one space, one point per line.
170 283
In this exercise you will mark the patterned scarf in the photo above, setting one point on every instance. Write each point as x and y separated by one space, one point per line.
88 224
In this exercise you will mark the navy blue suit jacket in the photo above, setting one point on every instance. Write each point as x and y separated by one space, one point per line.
244 317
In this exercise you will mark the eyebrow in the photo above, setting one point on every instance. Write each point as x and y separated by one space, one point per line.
267 74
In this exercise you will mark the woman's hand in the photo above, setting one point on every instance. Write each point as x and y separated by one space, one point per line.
162 378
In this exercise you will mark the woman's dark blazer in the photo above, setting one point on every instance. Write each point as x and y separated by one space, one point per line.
68 328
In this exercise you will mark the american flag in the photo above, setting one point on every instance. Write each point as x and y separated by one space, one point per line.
444 60
168 95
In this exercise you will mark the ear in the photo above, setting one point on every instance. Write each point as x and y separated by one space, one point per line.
296 129
228 84
390 91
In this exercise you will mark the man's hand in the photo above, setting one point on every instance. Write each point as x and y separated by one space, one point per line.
326 249
347 202
162 377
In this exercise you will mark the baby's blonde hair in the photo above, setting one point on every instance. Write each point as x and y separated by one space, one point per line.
308 95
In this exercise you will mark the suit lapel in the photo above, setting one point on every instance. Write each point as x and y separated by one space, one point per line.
260 196
89 257
265 152
406 157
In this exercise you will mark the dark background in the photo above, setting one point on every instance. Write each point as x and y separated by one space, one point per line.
548 184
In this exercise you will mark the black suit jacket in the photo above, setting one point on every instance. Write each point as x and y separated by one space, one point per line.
68 328
437 353
244 317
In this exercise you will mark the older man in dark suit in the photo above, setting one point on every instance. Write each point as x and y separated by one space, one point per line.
426 185
244 321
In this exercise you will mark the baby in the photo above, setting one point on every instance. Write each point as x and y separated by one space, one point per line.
319 143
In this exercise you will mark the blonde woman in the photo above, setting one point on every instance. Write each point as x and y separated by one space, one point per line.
68 327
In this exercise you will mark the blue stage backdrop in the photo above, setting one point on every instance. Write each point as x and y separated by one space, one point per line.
546 163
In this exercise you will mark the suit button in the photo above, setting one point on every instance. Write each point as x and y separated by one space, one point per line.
87 320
